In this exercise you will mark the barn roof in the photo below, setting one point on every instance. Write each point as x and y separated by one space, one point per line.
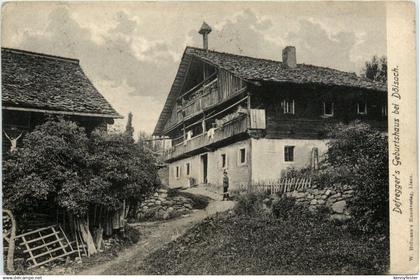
262 70
45 83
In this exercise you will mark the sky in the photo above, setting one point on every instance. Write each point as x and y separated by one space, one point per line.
131 50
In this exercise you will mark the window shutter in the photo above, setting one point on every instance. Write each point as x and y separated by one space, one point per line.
293 106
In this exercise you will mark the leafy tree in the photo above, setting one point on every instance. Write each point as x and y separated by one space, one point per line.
50 165
376 69
358 156
128 168
59 165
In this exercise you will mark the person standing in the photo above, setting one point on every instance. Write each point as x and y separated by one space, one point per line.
225 186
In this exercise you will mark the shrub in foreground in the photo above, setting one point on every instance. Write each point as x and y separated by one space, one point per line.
285 208
358 156
251 203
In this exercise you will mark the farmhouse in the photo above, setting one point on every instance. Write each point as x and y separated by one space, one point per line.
36 85
257 117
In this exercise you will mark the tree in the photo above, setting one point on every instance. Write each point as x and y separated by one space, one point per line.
58 165
50 165
129 129
51 169
376 69
137 172
358 156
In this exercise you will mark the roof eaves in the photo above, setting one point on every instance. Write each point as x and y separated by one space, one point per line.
166 110
57 112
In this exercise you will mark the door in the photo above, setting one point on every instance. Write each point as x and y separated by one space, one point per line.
204 166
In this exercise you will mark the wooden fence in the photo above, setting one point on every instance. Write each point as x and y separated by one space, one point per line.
280 186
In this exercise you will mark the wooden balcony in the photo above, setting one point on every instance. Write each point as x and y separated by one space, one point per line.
234 127
205 95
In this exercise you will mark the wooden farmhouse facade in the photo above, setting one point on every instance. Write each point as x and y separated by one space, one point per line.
256 117
35 86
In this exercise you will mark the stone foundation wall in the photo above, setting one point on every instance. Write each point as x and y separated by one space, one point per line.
334 199
162 207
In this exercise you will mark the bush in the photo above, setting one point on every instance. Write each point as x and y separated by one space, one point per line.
58 165
50 166
132 235
358 156
250 204
127 167
284 207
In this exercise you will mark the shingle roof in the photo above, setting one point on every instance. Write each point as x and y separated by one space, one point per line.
262 70
257 69
39 81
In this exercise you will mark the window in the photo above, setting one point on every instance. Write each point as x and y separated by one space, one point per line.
223 158
362 108
288 107
289 153
384 110
187 167
242 156
177 172
328 109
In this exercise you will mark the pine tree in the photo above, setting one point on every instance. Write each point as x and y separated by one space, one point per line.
129 129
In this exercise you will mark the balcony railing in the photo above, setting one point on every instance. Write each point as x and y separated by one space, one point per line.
202 98
229 129
238 125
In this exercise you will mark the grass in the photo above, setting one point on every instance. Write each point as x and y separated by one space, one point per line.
241 244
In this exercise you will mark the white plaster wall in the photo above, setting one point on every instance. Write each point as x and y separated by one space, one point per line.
183 179
268 156
238 173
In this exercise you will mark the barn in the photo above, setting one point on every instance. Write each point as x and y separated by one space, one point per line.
36 85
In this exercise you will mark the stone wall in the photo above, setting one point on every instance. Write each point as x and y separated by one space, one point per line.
162 207
334 198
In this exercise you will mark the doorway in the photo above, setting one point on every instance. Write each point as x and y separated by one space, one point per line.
204 166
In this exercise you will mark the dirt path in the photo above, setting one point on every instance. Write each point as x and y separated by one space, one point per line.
154 235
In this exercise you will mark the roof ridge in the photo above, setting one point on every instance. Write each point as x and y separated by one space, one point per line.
275 61
48 56
233 54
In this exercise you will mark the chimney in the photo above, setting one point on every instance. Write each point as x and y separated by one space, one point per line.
205 30
289 57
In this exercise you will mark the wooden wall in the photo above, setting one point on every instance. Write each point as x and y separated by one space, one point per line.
228 84
223 87
308 120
